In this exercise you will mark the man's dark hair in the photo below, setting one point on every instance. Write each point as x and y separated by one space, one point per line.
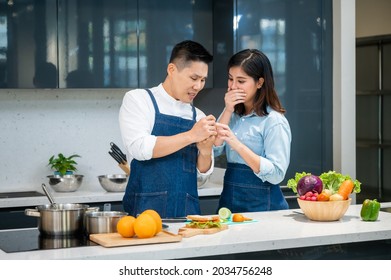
189 51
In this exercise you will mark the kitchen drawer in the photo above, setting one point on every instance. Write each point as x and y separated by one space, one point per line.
11 218
209 204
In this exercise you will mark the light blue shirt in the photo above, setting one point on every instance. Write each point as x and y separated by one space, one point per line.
267 136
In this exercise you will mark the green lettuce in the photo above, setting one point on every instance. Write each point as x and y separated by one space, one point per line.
331 181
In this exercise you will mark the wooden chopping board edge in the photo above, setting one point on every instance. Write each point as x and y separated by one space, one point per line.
116 240
189 232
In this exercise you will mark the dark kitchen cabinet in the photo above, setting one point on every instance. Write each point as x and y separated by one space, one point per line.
96 44
373 119
11 218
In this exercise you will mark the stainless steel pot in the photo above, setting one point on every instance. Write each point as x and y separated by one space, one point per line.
56 242
103 221
60 219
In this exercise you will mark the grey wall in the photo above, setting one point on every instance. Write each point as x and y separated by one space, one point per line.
37 124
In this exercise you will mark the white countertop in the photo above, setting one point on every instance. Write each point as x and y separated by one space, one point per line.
273 230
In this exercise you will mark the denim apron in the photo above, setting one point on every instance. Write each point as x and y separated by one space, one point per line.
243 191
167 184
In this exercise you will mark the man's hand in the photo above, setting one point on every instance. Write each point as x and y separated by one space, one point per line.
203 129
205 146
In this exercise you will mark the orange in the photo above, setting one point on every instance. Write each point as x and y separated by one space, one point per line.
125 226
237 218
158 220
145 226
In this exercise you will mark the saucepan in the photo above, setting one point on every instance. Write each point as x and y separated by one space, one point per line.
102 221
58 219
61 219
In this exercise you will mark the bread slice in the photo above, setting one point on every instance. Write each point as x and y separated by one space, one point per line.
203 218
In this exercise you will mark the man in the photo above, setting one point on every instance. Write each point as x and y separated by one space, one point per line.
169 141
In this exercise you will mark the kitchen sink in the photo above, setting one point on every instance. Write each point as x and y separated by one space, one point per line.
20 194
386 209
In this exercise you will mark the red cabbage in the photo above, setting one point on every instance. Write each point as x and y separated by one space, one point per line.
309 183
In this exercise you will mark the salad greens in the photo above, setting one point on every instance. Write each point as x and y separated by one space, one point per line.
331 181
203 224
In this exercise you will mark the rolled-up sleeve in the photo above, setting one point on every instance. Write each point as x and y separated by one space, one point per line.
136 119
203 177
218 150
274 165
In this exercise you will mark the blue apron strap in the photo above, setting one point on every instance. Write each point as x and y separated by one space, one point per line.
153 101
194 113
157 108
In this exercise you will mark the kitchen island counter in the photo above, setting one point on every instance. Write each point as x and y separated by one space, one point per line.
275 230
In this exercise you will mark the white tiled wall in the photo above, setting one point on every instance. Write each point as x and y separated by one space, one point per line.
35 124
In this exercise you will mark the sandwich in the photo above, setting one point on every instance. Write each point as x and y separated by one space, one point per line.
203 222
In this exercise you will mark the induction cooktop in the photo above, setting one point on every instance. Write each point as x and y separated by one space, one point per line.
30 239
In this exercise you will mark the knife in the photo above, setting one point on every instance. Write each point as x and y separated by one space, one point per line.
119 157
115 148
114 156
174 220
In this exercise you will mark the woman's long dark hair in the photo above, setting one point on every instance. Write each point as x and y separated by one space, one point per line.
256 64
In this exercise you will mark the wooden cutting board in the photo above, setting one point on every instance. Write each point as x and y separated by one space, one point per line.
116 240
189 232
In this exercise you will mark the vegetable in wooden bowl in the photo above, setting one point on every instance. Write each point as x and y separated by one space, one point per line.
324 198
324 211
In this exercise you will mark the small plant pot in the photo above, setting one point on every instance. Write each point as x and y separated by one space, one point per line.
57 173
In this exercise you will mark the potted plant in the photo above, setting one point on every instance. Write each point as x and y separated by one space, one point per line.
63 165
63 179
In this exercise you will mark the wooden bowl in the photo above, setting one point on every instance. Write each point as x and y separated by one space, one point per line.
324 210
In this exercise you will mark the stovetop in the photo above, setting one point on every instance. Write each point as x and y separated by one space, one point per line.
30 239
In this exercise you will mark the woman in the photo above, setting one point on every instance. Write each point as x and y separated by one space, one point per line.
254 135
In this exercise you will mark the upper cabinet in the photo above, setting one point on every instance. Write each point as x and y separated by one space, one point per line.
96 43
127 44
296 35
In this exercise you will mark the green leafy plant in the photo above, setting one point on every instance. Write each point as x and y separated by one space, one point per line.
63 164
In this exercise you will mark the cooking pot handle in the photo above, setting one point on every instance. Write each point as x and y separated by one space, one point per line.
32 212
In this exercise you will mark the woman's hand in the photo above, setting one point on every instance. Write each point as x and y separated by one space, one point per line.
233 97
224 133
